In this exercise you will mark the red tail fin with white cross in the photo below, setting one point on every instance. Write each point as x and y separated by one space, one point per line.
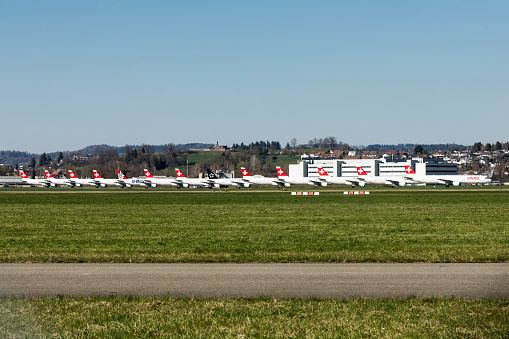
244 172
361 171
409 170
322 172
179 173
148 174
72 175
97 175
280 172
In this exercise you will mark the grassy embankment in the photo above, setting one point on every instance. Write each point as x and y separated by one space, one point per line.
401 225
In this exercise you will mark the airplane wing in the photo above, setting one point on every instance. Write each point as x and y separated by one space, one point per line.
448 182
317 181
356 181
241 182
395 182
281 182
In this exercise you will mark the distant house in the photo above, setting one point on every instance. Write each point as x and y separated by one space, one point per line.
220 148
57 174
79 157
350 157
370 155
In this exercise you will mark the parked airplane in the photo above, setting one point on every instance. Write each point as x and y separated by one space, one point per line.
75 181
261 180
55 182
183 181
386 180
447 180
99 181
316 181
150 181
340 180
39 182
225 182
124 181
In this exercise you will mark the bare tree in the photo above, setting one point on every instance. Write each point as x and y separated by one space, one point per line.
343 146
332 142
315 143
293 142
170 148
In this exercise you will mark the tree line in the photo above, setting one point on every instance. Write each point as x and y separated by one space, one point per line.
260 157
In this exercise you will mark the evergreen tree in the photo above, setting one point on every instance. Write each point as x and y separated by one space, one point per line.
32 165
418 149
43 160
477 147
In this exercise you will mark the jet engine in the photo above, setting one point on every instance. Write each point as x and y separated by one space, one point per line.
456 183
153 185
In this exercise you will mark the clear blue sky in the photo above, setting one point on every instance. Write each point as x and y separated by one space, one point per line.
131 72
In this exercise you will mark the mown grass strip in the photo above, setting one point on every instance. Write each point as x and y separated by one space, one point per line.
140 226
275 318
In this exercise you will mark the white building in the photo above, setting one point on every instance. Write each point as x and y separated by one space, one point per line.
373 167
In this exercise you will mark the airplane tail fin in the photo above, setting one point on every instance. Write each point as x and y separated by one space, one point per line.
72 175
48 175
147 173
244 172
280 172
361 171
179 173
322 172
211 174
409 170
23 175
120 175
97 175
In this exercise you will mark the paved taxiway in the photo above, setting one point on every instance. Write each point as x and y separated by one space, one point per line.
254 280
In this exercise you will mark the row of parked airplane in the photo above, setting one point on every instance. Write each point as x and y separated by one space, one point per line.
282 180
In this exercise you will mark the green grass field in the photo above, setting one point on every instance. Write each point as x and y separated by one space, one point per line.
401 225
239 318
389 225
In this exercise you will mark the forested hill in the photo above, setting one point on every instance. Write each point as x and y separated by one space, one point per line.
95 149
405 147
11 158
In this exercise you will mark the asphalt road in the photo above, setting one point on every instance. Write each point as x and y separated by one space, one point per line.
254 280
